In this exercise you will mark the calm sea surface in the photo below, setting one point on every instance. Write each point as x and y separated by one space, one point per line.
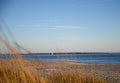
79 58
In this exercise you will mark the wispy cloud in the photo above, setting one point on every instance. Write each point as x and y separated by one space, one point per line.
50 20
63 27
50 27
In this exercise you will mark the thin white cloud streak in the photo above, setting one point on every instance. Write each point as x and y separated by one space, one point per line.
64 27
50 20
50 27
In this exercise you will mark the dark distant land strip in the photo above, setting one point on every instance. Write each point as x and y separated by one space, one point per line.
69 53
62 53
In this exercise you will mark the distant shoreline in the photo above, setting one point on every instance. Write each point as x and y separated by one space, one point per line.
69 53
57 53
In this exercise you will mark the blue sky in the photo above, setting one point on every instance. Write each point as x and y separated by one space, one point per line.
65 25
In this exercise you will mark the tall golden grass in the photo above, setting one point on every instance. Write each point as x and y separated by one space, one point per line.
72 77
15 70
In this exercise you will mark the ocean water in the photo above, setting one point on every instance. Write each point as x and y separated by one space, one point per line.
79 58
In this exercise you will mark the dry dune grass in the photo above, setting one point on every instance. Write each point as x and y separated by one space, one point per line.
15 70
72 77
17 74
11 73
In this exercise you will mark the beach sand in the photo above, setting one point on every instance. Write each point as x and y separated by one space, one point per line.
108 72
